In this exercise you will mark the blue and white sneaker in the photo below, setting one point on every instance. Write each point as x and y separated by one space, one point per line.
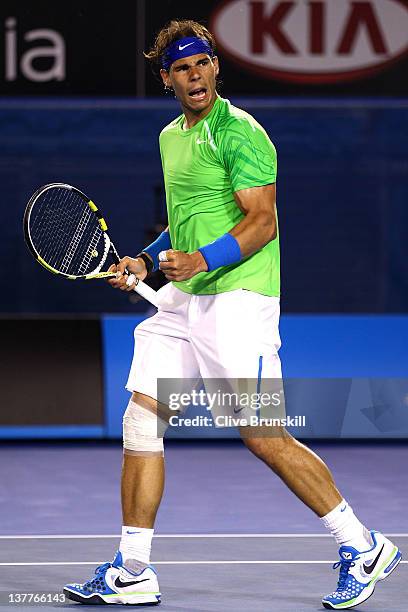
360 571
115 584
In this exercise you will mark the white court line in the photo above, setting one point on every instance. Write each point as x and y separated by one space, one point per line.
287 562
184 535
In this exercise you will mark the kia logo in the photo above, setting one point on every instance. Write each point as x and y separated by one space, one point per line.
312 41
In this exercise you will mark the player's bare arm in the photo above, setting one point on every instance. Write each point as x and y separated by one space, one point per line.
258 227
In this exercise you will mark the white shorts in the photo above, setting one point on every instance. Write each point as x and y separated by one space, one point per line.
227 335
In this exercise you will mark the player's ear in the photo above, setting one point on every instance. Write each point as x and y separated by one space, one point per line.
216 65
165 77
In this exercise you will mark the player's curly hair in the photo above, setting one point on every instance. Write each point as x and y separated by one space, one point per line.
174 30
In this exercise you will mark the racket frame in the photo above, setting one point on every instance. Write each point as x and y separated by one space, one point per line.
141 288
109 247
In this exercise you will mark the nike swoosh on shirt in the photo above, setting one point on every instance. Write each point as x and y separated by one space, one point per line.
120 584
198 141
369 568
181 47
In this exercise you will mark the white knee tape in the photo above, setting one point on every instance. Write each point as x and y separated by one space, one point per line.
142 431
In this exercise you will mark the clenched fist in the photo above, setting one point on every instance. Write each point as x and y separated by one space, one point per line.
180 266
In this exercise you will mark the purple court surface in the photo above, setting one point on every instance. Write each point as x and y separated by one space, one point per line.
230 536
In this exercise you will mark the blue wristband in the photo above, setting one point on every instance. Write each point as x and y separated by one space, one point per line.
222 252
162 243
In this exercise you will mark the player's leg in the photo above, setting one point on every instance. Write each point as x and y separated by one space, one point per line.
142 471
162 350
130 579
299 468
142 476
240 329
365 557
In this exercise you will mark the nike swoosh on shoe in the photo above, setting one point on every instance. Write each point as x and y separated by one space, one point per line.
120 584
369 568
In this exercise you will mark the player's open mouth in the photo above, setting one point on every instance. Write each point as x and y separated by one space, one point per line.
198 94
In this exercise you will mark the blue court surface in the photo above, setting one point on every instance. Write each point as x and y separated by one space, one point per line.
229 535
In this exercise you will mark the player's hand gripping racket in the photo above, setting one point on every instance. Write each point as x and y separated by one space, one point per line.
67 234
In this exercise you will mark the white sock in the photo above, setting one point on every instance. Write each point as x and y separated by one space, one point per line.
136 543
346 528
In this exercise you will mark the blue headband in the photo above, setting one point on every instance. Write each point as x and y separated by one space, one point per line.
184 47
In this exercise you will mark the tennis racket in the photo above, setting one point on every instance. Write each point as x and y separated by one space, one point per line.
67 234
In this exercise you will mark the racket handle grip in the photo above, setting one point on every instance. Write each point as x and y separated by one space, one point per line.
147 293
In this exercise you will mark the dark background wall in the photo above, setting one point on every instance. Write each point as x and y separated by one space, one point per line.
59 375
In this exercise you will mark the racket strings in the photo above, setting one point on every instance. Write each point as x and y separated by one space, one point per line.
76 240
47 224
65 231
91 252
50 226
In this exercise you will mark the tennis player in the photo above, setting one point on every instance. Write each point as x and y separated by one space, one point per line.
218 318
